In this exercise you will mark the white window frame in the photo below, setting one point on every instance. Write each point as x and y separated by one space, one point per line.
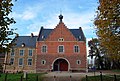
20 52
59 49
12 53
76 49
43 62
78 62
42 48
13 60
29 52
28 62
22 61
61 39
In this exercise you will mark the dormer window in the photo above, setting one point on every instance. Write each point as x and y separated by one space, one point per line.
42 37
23 45
61 39
79 37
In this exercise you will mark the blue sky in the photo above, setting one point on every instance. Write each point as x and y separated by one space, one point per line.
30 15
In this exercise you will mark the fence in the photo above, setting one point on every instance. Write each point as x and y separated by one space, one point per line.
100 77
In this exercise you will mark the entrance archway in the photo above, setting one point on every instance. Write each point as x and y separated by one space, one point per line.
60 65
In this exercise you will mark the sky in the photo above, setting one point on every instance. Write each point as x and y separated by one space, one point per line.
30 15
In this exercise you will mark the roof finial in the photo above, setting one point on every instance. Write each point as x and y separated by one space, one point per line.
60 17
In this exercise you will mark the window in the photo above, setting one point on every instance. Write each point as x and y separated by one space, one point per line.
12 61
20 61
30 52
29 61
21 52
61 49
76 48
61 39
43 62
78 62
44 49
12 52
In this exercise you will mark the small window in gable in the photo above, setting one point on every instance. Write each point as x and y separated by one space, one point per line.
60 39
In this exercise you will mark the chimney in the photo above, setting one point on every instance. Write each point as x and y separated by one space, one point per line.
32 35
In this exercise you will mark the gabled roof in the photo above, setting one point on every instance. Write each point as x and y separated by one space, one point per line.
28 41
77 33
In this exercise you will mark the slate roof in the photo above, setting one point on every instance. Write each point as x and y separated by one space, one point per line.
27 40
78 33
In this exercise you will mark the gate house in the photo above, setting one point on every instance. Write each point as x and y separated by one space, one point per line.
61 49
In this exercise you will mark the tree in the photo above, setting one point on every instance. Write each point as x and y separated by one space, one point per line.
108 27
5 21
95 51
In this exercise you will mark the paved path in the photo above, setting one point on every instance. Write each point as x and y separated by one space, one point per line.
69 76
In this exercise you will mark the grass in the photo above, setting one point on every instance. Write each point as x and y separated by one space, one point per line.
116 70
104 78
17 77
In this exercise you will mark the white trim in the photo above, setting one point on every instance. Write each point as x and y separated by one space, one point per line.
12 52
13 60
23 52
63 49
61 58
31 62
42 47
78 61
22 62
43 61
78 49
61 39
32 52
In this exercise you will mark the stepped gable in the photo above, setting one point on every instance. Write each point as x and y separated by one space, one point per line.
61 31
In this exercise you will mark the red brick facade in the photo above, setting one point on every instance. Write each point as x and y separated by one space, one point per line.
52 43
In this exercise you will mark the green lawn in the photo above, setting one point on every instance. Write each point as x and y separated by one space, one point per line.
16 77
104 78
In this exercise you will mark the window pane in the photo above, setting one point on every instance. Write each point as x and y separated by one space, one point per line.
76 49
21 61
30 52
12 52
12 61
44 49
43 62
21 52
30 61
61 49
78 62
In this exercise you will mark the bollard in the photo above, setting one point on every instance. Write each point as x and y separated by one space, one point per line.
86 78
21 79
6 76
26 77
115 79
54 78
37 78
101 76
70 78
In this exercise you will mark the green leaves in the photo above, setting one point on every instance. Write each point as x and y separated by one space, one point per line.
5 21
108 26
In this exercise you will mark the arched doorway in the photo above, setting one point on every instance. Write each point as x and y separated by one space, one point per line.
60 65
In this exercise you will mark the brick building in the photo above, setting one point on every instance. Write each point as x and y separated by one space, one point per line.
58 49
